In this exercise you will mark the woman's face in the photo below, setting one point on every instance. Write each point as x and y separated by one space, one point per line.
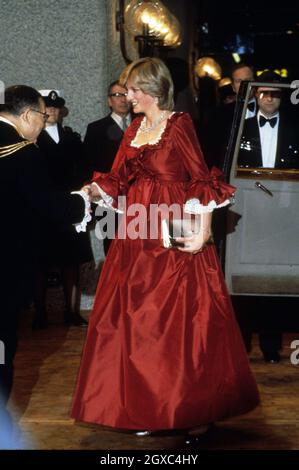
141 102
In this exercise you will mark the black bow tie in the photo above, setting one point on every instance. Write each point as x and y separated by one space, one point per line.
271 121
251 106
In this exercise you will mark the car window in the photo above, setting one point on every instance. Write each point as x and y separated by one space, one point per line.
268 139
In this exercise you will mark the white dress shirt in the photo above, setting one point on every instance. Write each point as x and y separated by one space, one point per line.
268 137
53 132
119 119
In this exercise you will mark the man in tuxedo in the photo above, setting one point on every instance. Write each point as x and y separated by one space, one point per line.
25 201
269 140
104 136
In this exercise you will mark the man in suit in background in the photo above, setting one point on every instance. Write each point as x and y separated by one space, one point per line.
25 201
216 137
104 136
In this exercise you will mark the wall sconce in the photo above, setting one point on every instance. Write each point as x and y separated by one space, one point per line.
151 24
208 67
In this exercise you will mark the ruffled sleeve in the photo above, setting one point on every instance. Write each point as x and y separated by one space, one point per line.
206 190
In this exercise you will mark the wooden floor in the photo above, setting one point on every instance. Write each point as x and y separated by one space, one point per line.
46 367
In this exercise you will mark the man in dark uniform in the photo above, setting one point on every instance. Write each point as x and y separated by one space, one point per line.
104 136
25 200
62 248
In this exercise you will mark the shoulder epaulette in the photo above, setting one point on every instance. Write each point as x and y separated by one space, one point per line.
10 149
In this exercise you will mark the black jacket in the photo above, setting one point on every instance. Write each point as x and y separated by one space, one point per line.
101 142
26 200
67 171
65 160
287 151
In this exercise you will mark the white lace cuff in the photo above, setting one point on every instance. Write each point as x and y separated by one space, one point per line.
81 227
193 206
106 201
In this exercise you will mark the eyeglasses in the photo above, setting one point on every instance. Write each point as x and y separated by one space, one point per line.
118 95
45 115
271 93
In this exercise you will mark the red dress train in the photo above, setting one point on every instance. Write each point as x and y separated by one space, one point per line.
163 349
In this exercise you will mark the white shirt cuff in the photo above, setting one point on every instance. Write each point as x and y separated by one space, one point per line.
81 227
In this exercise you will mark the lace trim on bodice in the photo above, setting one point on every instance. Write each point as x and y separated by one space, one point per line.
153 141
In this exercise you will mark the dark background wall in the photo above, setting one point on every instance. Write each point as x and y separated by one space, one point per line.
74 45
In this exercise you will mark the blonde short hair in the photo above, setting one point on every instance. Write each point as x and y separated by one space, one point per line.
153 77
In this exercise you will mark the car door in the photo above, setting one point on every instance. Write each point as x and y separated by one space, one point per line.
262 242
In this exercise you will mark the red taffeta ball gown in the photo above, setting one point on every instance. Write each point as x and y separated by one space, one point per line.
163 349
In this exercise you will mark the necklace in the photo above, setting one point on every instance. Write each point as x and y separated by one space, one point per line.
145 129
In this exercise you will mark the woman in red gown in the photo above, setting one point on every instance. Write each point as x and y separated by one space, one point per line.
163 349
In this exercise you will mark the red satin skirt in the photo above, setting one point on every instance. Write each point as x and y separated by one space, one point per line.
163 348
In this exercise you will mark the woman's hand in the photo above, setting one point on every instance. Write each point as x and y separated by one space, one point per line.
93 192
196 243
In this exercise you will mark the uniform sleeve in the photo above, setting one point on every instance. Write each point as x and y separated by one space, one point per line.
206 190
33 185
